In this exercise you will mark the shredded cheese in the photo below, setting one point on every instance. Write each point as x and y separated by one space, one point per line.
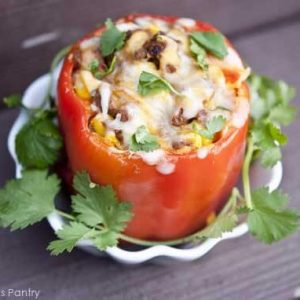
202 95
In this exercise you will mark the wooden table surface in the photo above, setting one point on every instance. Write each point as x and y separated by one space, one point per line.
267 33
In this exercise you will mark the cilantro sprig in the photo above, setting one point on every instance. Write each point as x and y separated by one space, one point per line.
97 214
266 212
270 100
270 109
268 218
112 40
151 84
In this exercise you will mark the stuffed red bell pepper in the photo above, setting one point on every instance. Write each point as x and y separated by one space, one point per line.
158 108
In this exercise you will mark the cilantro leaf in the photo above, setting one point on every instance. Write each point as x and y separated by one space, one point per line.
28 200
152 84
269 220
213 126
270 157
38 143
268 138
270 100
283 114
224 223
94 68
270 108
69 236
266 134
213 42
199 53
99 217
277 134
112 39
142 136
99 205
142 140
14 100
103 240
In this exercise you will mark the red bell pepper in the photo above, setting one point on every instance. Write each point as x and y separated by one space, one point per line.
164 206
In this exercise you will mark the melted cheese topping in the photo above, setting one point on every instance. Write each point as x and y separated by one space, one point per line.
121 110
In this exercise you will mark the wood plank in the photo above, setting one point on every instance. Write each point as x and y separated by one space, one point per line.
63 21
235 269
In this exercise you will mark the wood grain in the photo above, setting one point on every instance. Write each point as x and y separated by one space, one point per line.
21 20
237 269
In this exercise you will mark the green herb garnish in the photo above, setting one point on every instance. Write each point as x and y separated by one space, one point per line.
152 84
212 42
97 214
270 100
200 54
14 100
270 108
213 126
142 140
28 200
112 39
99 217
38 143
270 220
94 68
225 222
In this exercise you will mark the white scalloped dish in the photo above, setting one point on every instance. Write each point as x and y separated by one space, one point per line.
259 176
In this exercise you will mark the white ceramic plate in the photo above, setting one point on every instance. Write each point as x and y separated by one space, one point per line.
271 178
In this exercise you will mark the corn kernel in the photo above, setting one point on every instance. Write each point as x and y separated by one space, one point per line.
80 89
153 29
89 81
183 150
82 92
211 218
111 139
206 142
198 141
98 126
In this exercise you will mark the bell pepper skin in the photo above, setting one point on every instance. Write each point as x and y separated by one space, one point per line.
165 206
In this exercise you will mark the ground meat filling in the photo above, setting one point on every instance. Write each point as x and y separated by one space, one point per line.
122 112
181 115
153 49
178 119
